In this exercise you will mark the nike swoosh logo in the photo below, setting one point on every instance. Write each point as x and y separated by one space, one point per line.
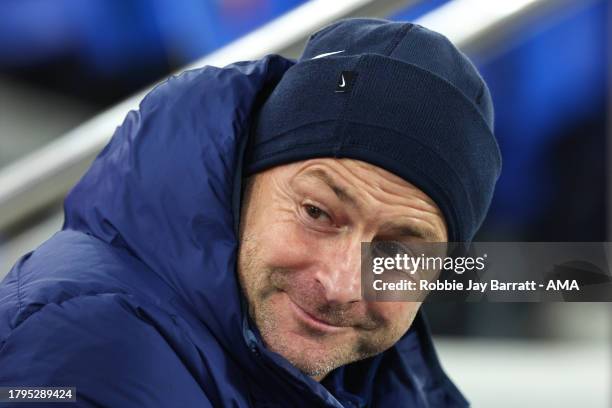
343 84
326 54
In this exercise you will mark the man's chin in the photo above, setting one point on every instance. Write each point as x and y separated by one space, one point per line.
311 349
313 356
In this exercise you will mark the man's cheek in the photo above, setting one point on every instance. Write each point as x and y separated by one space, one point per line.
398 314
291 247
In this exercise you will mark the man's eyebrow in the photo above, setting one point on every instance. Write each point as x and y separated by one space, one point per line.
409 230
340 192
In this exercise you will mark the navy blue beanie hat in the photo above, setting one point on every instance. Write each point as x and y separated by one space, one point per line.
395 95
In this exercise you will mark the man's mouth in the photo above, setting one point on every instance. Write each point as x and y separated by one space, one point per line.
314 323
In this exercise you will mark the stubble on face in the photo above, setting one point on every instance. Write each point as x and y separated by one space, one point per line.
370 335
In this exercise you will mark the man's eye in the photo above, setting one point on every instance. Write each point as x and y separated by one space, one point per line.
315 212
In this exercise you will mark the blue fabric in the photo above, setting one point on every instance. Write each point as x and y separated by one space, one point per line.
136 302
396 95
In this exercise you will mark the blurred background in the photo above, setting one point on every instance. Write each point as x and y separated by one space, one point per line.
71 69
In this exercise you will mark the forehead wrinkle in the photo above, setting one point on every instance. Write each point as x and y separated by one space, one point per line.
340 192
418 199
384 183
410 230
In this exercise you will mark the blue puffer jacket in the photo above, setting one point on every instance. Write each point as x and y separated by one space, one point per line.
136 303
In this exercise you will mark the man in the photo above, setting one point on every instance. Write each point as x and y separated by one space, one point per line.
170 286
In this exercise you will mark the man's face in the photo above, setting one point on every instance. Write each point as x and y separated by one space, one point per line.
299 261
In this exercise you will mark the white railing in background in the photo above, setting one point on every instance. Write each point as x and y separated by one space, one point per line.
44 176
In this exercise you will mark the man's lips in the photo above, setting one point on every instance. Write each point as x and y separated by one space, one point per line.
312 321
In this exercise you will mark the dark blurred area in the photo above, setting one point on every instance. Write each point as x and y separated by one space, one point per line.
100 51
550 90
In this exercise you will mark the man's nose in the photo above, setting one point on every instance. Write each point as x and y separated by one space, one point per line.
340 275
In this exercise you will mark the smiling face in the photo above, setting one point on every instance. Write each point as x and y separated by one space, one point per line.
299 259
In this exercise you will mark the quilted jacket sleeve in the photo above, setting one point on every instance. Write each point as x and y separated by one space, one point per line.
98 345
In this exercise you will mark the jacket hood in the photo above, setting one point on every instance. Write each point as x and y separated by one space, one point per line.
165 186
167 189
